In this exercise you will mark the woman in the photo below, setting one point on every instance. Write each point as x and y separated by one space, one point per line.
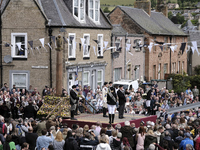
70 142
9 144
140 138
58 142
149 139
103 143
126 143
111 101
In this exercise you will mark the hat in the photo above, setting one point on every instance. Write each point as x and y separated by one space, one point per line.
74 86
152 147
187 135
119 134
120 85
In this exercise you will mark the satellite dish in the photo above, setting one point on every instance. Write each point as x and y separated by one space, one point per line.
7 59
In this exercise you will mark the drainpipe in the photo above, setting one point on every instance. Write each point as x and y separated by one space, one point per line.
112 60
1 65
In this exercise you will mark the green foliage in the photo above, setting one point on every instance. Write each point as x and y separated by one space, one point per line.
106 10
194 22
197 70
170 15
178 19
153 3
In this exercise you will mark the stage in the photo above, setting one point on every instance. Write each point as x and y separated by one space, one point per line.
91 119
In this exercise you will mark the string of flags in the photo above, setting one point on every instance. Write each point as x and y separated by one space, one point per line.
103 45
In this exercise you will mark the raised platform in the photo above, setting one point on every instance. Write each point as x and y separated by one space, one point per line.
91 119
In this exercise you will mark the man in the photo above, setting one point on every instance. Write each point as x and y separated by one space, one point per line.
111 101
186 141
4 88
122 101
104 93
73 101
44 141
195 91
31 138
29 111
41 126
127 131
15 105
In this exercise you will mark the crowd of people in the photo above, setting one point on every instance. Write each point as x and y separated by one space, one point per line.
173 131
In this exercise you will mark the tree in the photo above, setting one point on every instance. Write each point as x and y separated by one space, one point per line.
170 15
153 3
106 10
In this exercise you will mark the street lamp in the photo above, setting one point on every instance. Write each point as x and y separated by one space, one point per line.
50 55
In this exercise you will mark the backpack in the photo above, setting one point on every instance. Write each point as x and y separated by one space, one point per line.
19 129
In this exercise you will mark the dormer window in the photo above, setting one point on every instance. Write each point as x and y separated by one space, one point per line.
94 7
79 10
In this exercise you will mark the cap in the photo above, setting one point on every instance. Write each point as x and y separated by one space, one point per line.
119 134
187 135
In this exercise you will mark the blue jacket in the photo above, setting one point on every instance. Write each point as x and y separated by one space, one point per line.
185 142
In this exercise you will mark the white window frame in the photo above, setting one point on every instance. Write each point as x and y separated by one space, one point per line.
101 78
13 41
88 84
94 10
101 44
86 44
119 74
79 11
26 80
73 44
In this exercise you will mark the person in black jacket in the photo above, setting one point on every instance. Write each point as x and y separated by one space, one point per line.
31 138
70 142
73 101
29 111
122 101
111 101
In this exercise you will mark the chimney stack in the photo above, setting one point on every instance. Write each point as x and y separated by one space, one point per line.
143 4
162 7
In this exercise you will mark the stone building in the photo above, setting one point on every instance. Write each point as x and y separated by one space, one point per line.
85 64
156 28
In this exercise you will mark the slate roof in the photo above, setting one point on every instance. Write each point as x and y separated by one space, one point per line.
60 15
118 30
194 36
157 23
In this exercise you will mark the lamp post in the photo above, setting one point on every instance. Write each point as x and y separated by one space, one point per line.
50 55
1 65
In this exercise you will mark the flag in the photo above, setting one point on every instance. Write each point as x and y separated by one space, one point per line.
160 43
161 47
82 41
96 41
30 43
106 44
42 41
65 39
194 43
19 45
182 48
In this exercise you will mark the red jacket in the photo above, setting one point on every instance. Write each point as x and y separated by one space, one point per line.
197 145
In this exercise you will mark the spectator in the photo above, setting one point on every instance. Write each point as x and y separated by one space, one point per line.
58 142
25 146
140 138
186 141
41 126
31 138
70 142
150 138
9 144
103 143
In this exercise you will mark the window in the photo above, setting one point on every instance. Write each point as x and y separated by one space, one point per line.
86 52
117 74
79 9
165 41
165 69
154 72
93 11
18 39
182 67
173 67
86 76
159 71
20 80
178 66
137 72
72 45
137 43
100 78
100 44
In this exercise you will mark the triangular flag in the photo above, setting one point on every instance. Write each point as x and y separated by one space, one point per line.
42 41
30 43
188 49
150 47
117 45
182 48
140 42
79 46
7 45
105 43
94 50
126 40
82 41
96 41
38 50
49 45
71 38
111 48
194 43
175 47
65 39
19 45
193 49
172 48
128 46
120 38
161 47
54 39
88 48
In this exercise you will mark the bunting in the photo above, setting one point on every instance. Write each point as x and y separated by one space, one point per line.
161 47
193 49
82 41
128 46
105 44
194 43
65 39
19 45
42 41
182 48
38 49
